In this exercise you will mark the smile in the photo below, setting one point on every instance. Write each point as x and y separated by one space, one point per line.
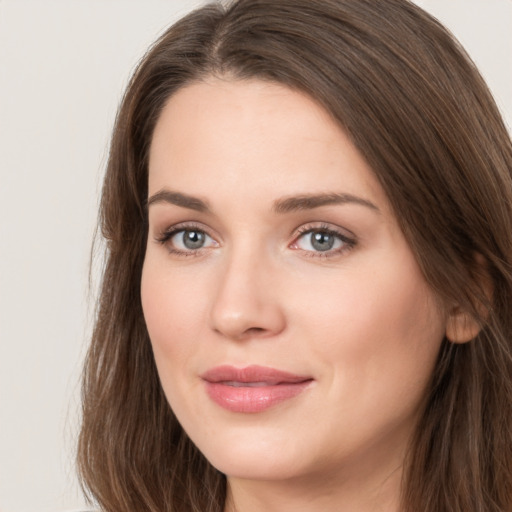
252 389
236 384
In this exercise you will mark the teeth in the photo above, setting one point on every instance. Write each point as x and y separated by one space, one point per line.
236 384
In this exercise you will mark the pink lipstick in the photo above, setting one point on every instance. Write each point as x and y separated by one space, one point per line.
253 388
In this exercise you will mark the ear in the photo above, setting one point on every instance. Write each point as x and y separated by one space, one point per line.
461 325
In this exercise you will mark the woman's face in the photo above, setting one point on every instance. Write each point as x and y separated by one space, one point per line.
293 331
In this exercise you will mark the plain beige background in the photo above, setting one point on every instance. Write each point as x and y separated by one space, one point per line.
63 67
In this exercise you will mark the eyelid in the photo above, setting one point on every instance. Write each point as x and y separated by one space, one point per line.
165 235
347 237
169 230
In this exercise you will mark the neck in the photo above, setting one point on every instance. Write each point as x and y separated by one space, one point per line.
379 492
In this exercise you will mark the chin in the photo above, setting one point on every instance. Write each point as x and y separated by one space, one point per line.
245 467
253 457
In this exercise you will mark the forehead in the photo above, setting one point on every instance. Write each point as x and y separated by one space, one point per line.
250 111
253 135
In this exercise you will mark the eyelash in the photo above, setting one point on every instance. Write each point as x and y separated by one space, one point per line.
165 237
348 242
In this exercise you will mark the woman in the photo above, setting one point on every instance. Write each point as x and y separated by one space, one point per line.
307 293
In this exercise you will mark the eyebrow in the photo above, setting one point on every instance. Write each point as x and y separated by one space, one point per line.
178 199
285 205
311 201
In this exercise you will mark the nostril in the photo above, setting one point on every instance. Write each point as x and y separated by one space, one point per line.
254 331
243 333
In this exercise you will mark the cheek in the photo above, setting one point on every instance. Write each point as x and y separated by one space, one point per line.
171 312
377 323
175 321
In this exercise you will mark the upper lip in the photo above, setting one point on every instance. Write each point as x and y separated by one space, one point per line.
254 373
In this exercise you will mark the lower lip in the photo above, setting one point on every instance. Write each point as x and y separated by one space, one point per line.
248 399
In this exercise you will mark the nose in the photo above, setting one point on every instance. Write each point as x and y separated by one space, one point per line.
247 301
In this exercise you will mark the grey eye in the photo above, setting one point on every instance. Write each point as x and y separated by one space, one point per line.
322 241
191 240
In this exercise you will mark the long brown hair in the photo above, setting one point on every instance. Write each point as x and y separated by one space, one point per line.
419 112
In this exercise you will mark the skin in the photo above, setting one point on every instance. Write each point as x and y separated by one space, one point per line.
358 319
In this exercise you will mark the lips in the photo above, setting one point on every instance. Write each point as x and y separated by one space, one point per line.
252 389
